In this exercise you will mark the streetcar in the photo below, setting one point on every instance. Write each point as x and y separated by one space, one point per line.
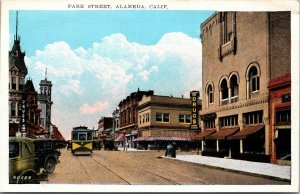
82 141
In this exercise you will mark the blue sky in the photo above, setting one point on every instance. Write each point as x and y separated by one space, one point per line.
97 58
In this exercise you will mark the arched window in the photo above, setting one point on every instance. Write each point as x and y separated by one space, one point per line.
224 90
234 93
210 94
254 79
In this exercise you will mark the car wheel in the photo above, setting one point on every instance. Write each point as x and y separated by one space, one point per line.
50 165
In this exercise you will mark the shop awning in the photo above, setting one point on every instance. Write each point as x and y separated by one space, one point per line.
121 137
203 134
141 138
248 130
163 138
223 133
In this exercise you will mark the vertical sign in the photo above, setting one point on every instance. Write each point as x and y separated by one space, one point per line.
23 117
194 99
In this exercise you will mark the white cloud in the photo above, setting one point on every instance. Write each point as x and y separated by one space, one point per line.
98 107
113 68
71 86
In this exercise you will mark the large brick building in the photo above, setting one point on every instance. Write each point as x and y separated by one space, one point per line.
241 52
129 114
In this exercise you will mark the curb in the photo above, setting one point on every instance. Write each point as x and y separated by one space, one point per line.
232 170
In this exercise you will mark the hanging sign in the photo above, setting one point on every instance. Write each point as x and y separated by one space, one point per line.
194 99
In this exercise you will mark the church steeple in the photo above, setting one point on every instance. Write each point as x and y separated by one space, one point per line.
16 56
17 23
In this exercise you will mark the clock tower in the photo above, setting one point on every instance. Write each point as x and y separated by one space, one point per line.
45 103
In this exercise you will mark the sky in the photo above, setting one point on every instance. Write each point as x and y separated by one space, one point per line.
95 59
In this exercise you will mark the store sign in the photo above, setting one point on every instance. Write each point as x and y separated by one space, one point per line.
194 99
23 116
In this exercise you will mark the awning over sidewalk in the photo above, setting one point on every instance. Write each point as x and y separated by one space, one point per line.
223 133
163 138
248 130
141 138
203 134
121 137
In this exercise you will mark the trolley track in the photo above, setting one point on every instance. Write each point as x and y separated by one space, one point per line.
85 170
145 168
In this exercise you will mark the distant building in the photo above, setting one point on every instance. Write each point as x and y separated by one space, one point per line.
105 128
45 103
116 123
32 113
129 115
164 118
56 134
241 53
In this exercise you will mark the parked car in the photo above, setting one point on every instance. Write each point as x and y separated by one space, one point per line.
28 156
23 162
109 145
47 151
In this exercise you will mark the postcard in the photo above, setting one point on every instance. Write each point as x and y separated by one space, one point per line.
126 96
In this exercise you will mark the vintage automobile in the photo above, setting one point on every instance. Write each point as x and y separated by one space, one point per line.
46 150
23 166
27 156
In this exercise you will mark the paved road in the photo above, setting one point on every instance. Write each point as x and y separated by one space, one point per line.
143 167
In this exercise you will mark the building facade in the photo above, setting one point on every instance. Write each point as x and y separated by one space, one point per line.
241 53
45 104
129 115
17 74
280 119
56 134
165 118
105 128
116 123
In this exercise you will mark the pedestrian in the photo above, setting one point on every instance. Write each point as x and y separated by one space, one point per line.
127 145
169 148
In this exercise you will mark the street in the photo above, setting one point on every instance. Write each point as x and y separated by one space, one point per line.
142 167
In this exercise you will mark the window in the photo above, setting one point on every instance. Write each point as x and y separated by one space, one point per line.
13 109
229 121
22 83
188 118
166 117
224 92
253 117
208 124
82 136
162 117
13 149
14 83
159 117
283 117
184 118
181 118
254 79
234 92
210 94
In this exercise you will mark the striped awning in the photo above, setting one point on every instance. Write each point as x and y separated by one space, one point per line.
163 138
203 134
121 137
223 133
141 138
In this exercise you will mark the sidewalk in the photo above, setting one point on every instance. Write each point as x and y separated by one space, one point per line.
257 168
